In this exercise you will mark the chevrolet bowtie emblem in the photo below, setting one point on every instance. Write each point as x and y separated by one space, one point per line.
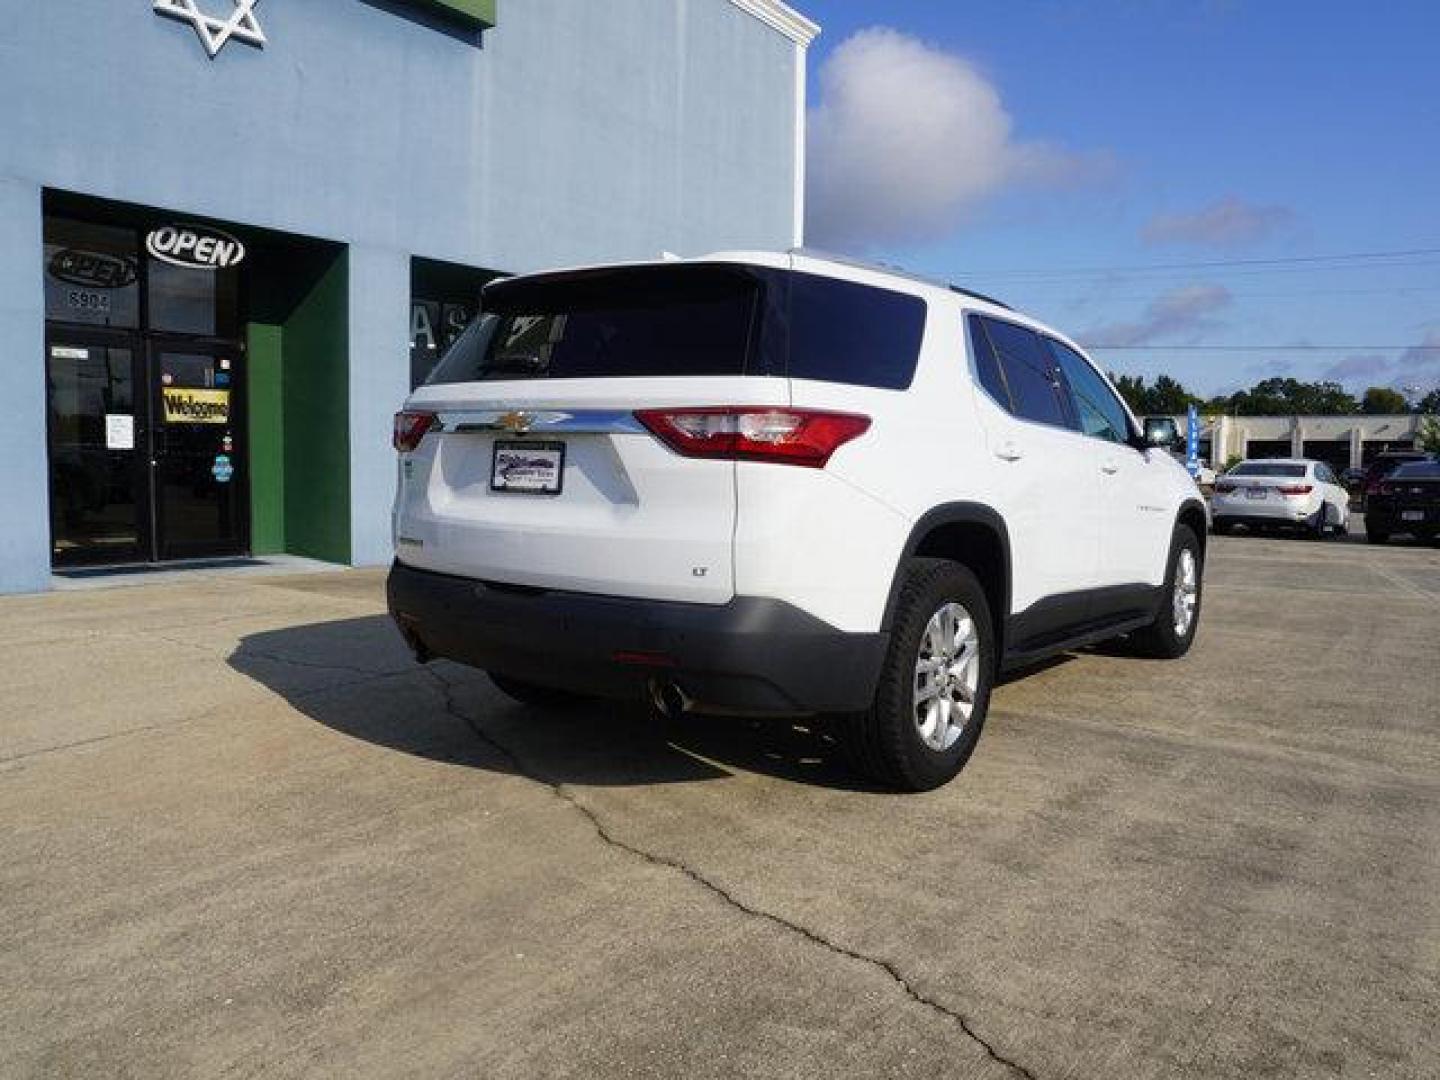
215 32
518 422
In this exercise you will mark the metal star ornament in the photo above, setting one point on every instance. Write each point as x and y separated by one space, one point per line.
215 32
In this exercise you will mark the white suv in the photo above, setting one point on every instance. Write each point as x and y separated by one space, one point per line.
783 485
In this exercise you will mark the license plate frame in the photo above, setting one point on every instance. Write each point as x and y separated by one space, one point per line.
531 468
1256 493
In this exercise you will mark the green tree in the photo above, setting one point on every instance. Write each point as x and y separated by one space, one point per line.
1167 397
1379 400
1429 404
1429 435
1291 397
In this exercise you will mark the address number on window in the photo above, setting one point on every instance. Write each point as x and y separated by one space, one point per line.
84 300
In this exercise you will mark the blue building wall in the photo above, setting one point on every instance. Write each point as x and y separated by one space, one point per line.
574 132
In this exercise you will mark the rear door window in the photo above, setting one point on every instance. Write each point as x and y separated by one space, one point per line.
1030 374
987 364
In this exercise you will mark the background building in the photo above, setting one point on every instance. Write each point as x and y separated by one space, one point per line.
234 233
1343 442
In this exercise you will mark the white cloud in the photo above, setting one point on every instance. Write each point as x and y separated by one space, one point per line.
906 138
1426 355
1182 313
1231 222
1357 367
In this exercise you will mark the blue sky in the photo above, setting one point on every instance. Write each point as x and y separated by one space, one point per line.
1017 147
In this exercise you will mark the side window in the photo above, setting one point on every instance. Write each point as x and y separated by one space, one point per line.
1028 371
987 366
1099 410
844 332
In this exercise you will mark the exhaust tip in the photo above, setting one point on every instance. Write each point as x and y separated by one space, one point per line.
668 699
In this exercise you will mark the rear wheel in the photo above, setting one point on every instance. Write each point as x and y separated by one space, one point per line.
528 693
934 688
1170 636
1376 536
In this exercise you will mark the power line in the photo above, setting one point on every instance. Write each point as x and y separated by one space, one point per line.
1212 264
1269 348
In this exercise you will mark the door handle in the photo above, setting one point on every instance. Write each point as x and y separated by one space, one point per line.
1008 451
1110 468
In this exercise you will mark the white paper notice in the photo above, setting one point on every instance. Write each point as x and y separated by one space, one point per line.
119 431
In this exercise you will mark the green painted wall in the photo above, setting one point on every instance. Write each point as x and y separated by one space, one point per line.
478 11
316 443
265 389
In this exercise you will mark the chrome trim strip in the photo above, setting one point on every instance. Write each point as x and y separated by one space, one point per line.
539 421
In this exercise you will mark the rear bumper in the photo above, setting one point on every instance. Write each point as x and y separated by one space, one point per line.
1390 518
752 656
1256 512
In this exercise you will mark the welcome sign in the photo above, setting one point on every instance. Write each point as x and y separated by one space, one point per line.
197 406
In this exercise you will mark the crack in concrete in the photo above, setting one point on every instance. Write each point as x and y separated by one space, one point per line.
562 792
247 653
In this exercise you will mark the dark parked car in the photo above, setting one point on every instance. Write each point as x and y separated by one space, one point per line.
1382 465
1405 501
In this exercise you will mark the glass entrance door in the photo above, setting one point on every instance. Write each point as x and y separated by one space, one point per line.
199 482
99 506
146 458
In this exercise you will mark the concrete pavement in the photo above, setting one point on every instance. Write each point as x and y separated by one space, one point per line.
245 835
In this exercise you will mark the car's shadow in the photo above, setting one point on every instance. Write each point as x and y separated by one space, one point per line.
356 677
1245 532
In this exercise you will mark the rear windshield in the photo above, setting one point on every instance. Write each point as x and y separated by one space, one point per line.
1417 470
1262 469
632 322
690 320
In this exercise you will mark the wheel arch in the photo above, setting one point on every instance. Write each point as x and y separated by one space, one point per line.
972 534
1192 513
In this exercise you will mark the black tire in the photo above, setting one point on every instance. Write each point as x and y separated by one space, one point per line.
884 743
1160 639
528 693
1322 522
1376 536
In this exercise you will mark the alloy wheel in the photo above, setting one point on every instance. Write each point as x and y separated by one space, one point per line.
947 676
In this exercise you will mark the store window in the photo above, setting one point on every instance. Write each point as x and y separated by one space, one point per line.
444 300
92 274
186 300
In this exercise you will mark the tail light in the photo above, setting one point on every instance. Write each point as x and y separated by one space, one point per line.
1224 487
410 428
1296 489
745 433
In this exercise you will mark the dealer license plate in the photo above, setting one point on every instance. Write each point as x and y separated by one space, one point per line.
1412 515
528 468
1255 493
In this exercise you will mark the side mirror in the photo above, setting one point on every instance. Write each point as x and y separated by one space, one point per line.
1162 432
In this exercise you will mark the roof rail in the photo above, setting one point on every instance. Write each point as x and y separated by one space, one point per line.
980 296
897 271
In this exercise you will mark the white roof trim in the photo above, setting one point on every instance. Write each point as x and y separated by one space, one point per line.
782 17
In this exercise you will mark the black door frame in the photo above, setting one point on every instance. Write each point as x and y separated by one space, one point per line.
84 335
165 548
143 344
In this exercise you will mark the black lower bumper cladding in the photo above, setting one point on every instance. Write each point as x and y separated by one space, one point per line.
750 656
